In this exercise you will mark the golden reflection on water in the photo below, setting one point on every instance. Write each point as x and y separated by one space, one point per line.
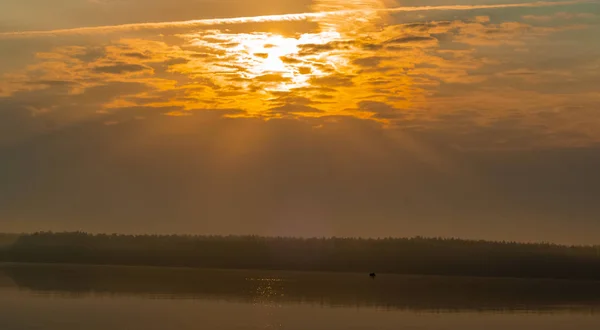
267 295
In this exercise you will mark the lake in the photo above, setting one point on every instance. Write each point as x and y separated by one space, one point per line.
69 297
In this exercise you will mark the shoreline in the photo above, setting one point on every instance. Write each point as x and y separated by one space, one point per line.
5 265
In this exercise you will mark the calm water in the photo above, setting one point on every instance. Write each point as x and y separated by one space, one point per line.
82 297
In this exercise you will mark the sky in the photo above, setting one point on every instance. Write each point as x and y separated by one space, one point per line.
372 118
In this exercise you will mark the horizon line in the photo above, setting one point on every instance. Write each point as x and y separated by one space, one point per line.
306 237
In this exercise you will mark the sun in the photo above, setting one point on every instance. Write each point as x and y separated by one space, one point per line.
270 52
264 54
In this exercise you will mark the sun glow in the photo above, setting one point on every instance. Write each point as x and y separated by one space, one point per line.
272 57
263 62
321 72
267 52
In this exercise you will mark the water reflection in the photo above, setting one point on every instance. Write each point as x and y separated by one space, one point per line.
274 289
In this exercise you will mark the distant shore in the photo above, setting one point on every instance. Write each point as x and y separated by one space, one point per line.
418 256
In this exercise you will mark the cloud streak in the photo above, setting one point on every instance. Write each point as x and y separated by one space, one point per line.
270 18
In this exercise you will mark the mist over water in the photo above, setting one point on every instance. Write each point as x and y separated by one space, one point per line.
102 297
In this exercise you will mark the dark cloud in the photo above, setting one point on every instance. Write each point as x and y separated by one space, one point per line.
52 83
324 96
334 80
519 73
424 65
381 110
310 49
286 98
422 26
176 60
371 61
399 49
29 113
410 39
201 55
320 89
138 55
120 68
369 46
90 54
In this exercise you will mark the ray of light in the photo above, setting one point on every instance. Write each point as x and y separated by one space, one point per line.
270 18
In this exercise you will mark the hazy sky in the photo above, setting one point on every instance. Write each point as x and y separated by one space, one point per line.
476 119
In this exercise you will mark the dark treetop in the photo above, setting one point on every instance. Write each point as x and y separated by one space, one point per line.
428 256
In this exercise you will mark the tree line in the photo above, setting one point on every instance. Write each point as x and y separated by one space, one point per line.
418 255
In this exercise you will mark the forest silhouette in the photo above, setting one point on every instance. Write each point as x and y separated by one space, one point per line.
418 255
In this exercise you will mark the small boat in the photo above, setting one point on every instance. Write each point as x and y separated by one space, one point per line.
372 275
